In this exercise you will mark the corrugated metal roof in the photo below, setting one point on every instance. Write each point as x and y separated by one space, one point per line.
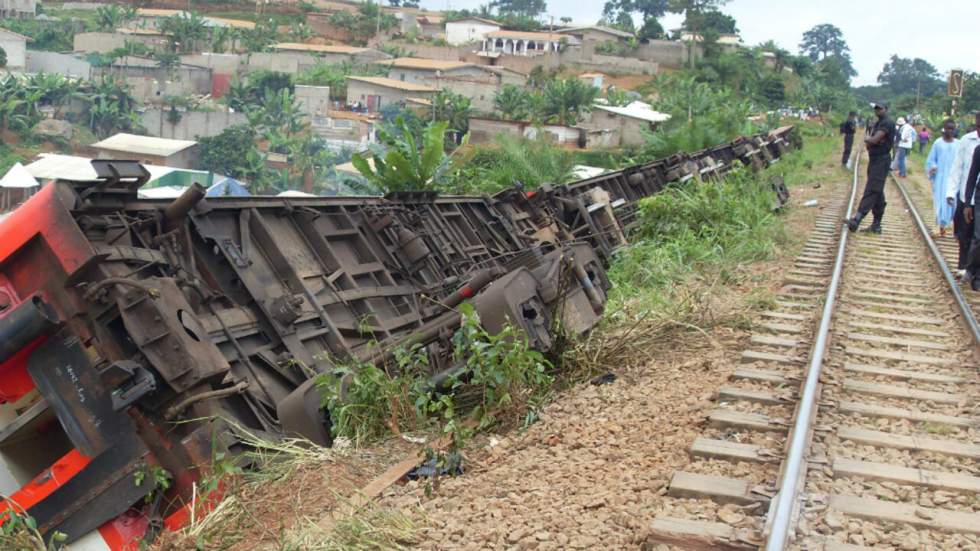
329 49
144 145
599 28
636 110
394 84
52 166
527 35
421 63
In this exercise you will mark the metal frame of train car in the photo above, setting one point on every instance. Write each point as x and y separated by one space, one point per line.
131 329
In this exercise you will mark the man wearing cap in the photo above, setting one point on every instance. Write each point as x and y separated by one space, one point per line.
906 139
879 143
847 128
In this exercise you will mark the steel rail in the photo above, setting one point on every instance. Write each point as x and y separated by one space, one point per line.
964 306
800 435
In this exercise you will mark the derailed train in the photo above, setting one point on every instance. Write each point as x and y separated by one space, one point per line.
130 329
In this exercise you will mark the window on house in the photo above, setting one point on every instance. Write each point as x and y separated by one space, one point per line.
343 123
403 77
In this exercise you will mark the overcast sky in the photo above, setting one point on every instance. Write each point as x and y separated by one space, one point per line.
941 32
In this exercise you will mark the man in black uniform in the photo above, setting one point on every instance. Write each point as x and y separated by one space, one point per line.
879 143
847 128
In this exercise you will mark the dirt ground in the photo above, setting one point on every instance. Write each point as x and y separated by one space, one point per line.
586 474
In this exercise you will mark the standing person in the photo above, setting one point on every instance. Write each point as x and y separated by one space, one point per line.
956 188
972 272
879 143
906 138
940 160
848 128
923 138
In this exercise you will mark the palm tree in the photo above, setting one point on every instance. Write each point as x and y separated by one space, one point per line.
455 109
184 30
567 99
407 165
221 37
512 102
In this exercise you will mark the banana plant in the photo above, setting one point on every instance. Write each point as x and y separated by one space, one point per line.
406 165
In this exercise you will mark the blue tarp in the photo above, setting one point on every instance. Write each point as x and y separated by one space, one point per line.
229 187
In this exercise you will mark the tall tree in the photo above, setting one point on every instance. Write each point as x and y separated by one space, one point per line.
694 13
910 76
824 41
619 13
824 44
526 8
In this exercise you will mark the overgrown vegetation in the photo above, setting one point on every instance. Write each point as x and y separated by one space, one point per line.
554 100
499 378
19 531
701 116
710 228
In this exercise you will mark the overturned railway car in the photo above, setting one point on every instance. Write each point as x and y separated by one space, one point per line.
130 329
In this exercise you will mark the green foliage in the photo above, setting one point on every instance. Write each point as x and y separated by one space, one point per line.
111 17
826 42
19 531
223 152
497 375
524 8
111 108
560 101
3 58
702 116
696 228
407 165
335 76
455 110
261 37
513 161
51 36
251 94
364 23
185 30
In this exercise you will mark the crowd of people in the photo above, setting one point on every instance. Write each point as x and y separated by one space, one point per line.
952 166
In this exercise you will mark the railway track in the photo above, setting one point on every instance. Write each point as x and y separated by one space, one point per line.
851 422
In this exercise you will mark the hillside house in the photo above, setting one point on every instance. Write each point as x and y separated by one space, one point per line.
596 33
148 150
376 92
18 9
627 123
331 54
15 46
524 43
479 83
469 29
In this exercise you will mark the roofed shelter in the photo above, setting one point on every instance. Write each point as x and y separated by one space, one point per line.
148 150
377 92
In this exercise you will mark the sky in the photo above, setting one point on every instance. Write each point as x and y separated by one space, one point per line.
941 32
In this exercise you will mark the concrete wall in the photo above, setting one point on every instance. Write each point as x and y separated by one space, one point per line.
153 83
668 53
192 124
106 42
431 51
358 91
475 83
16 50
468 31
628 131
18 8
58 63
313 100
486 131
582 57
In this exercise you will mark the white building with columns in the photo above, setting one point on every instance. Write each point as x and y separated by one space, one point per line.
524 43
